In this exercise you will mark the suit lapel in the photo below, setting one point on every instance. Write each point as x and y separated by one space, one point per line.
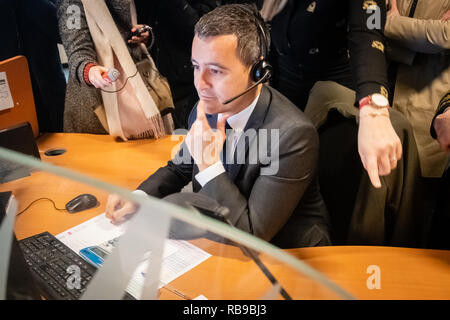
254 123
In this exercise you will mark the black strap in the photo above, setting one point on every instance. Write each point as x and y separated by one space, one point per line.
413 8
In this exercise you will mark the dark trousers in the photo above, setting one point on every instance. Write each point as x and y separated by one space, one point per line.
360 214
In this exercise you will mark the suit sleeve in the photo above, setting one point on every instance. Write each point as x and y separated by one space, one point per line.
366 45
273 198
176 174
171 178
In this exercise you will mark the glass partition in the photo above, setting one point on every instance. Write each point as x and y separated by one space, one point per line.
179 247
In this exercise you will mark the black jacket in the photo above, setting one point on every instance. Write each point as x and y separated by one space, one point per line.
314 34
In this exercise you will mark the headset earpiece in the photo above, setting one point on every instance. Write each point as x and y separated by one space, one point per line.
261 69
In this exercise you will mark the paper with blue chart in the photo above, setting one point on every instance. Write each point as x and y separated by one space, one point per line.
179 256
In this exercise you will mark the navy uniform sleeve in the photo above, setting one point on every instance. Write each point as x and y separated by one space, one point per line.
366 44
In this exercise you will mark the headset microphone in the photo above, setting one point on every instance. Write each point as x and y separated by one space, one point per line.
263 79
112 75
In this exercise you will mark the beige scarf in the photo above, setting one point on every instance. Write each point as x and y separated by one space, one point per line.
131 113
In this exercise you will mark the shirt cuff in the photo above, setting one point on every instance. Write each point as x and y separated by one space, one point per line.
140 192
210 173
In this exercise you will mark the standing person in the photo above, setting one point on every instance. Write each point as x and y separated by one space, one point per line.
417 33
423 76
311 43
336 50
227 49
90 106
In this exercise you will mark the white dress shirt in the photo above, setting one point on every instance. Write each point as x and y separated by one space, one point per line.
237 122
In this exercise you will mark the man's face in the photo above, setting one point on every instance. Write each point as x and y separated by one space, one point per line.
219 74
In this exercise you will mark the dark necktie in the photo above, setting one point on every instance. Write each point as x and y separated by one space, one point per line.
226 162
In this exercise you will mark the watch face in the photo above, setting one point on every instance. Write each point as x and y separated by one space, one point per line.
379 100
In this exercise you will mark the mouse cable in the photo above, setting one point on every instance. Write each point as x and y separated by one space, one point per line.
54 205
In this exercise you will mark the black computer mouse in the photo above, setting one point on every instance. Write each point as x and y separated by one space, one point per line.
81 202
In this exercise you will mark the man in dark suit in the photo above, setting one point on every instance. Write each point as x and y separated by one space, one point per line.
263 167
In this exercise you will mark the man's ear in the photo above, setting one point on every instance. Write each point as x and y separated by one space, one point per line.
248 71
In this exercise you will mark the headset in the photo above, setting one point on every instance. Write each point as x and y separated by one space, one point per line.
261 70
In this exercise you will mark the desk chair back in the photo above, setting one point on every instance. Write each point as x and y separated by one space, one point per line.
18 80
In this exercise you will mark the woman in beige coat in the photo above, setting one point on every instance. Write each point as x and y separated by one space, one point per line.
421 45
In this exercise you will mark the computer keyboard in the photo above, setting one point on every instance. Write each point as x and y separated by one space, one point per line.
49 261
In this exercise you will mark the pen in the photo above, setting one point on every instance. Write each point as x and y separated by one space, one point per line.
173 290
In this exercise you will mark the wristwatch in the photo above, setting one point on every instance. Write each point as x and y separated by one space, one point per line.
376 100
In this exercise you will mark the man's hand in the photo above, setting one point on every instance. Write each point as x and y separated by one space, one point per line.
117 209
204 143
378 144
442 127
96 79
143 38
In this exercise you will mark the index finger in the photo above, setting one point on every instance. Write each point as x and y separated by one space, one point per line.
372 170
201 115
111 205
127 209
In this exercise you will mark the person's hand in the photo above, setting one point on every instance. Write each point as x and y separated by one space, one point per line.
143 38
442 127
96 79
117 209
446 16
204 143
378 145
393 11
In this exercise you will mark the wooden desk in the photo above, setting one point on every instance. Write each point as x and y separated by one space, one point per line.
405 273
99 156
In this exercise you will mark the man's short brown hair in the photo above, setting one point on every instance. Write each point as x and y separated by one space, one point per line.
242 21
